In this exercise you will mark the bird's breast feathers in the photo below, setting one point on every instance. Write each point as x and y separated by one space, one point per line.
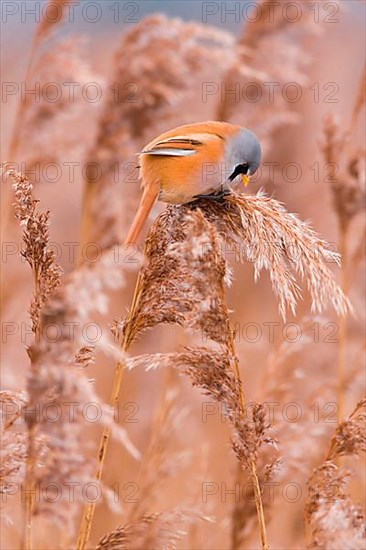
186 161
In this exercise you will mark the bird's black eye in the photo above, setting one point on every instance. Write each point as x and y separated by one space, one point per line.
239 169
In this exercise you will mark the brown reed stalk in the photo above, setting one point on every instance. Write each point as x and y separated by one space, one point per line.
343 327
332 151
360 101
251 464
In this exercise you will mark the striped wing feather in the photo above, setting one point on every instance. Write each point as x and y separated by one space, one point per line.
178 146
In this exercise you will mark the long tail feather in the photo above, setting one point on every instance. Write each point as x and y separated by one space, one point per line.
147 202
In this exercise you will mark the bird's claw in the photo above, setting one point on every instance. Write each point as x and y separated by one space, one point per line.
214 196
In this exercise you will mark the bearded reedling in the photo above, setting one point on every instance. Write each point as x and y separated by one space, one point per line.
206 159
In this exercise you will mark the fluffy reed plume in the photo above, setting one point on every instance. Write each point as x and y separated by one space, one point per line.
162 81
142 95
54 108
259 230
335 521
40 109
72 386
68 306
298 376
54 13
253 71
183 281
159 530
346 175
58 391
46 273
84 291
213 372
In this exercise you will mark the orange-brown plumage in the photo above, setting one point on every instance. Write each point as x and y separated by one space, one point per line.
190 160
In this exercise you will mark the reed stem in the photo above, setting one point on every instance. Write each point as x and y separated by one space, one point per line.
30 485
342 344
89 195
251 463
88 516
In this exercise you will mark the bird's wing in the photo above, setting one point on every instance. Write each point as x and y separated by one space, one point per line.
178 146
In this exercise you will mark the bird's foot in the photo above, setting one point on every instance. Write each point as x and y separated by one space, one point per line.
218 196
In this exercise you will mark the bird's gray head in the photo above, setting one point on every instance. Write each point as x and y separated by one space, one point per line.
243 155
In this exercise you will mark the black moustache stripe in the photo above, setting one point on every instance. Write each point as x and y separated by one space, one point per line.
240 169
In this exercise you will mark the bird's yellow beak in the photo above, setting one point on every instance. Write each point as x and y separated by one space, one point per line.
245 179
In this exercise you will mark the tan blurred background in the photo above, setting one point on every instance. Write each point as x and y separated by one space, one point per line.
325 60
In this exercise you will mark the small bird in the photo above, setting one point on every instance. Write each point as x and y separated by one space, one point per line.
202 160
